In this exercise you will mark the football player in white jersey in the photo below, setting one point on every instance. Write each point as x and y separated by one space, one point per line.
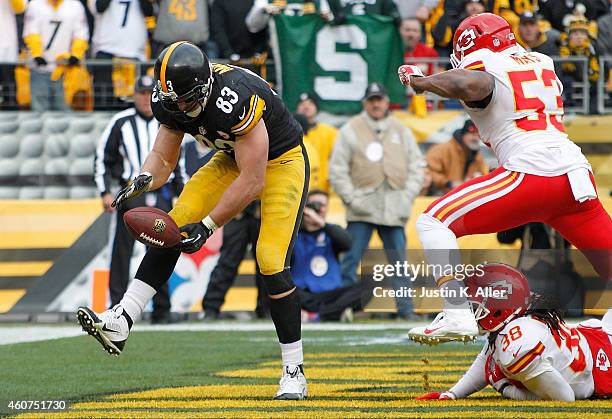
514 98
531 353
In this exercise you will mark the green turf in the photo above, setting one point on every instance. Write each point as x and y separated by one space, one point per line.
76 369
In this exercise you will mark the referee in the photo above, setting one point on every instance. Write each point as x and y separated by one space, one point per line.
123 147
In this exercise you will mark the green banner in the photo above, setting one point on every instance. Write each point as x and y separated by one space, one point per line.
338 62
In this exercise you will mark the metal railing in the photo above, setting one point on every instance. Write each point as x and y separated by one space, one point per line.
108 96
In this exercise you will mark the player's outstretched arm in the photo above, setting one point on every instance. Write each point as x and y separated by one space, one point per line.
251 153
472 381
465 85
157 167
162 159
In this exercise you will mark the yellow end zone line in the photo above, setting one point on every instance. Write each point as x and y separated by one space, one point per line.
24 268
288 412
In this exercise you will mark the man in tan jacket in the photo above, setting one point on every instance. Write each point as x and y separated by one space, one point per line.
376 168
457 160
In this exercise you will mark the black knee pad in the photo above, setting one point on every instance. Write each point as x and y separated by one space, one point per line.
278 283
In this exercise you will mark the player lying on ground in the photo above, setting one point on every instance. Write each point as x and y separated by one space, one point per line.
261 155
514 98
531 353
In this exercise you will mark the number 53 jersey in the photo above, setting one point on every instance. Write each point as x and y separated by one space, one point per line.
523 122
238 101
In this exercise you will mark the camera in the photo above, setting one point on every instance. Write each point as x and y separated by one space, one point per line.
315 206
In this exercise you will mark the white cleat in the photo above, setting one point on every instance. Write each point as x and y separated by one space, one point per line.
292 384
110 328
448 326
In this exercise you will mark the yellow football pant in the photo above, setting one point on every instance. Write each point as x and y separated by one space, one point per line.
282 201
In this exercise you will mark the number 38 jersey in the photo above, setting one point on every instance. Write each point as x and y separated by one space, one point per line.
523 121
526 347
238 101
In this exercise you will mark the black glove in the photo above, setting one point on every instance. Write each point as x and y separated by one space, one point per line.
40 61
139 185
197 234
73 60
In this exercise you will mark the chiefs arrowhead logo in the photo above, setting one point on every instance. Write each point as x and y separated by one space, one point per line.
466 40
602 362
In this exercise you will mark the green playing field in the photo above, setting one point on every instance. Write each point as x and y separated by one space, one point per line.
351 373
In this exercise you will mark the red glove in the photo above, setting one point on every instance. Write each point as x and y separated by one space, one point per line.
404 73
495 376
447 395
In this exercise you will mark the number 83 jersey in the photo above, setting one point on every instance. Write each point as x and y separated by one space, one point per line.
523 122
238 101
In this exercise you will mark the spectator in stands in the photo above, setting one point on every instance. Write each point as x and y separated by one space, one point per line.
376 168
56 34
418 9
238 234
123 146
315 265
604 33
313 153
9 48
258 17
185 21
411 30
341 9
318 135
457 160
120 33
454 12
577 42
531 37
558 13
229 29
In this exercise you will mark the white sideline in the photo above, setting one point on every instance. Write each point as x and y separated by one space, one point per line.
24 333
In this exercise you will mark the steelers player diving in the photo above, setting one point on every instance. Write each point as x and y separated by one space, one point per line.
260 155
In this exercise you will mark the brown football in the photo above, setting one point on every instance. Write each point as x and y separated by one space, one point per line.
152 227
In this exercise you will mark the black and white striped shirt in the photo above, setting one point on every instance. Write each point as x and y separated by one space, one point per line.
122 149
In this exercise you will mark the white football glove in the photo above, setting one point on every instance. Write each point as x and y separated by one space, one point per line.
404 73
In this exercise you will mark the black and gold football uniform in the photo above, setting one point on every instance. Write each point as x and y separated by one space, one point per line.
239 100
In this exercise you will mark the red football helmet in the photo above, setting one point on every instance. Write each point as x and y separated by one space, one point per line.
484 30
498 293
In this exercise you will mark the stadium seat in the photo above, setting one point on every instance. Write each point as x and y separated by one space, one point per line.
56 145
80 125
81 145
9 167
31 146
57 166
8 127
56 192
55 126
9 146
83 192
31 192
31 167
9 192
30 126
81 167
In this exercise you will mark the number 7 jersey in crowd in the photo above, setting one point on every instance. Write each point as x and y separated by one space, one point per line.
238 101
523 122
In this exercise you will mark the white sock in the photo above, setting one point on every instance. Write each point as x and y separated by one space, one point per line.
441 250
136 298
292 353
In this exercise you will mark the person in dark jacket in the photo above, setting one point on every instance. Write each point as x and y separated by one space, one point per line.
230 32
315 266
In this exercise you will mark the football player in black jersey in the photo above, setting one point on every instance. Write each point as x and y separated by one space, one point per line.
261 155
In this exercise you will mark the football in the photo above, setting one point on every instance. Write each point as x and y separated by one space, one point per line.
152 226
